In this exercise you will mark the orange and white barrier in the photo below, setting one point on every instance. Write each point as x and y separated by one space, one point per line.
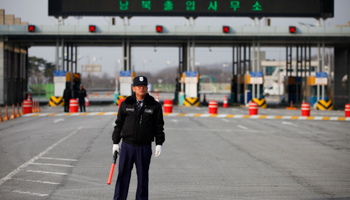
305 109
213 107
157 97
168 106
347 110
253 108
27 106
73 105
225 105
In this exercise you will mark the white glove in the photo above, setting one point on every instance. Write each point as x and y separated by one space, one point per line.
116 148
158 150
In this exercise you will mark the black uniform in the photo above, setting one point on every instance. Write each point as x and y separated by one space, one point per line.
81 96
67 95
138 130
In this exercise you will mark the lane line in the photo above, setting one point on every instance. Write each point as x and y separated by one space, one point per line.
35 181
50 164
225 120
7 177
64 159
242 127
30 193
46 172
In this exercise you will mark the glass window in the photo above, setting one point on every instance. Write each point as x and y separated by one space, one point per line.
269 70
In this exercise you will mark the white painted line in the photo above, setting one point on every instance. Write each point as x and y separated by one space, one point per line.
109 113
58 120
35 181
221 115
238 116
50 164
242 127
7 177
286 117
93 113
173 114
270 117
30 193
175 121
61 114
64 159
318 118
303 118
334 118
46 172
205 115
225 120
190 114
254 116
289 123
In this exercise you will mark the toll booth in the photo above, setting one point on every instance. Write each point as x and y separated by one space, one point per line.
125 84
311 91
191 79
293 89
237 89
254 86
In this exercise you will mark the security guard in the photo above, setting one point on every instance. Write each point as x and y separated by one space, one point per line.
139 123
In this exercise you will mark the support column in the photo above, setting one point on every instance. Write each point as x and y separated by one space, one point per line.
2 70
57 55
62 55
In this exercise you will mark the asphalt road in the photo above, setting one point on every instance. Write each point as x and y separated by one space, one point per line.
69 157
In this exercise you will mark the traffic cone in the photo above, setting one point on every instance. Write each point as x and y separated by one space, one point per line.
0 115
33 107
157 97
18 115
225 102
87 102
38 108
13 112
22 113
291 106
6 115
204 99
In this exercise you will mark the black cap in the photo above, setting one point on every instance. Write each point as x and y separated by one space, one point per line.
140 80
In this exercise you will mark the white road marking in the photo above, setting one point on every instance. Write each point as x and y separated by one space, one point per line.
225 120
50 164
7 177
64 159
175 121
242 127
35 181
58 120
46 172
30 193
289 123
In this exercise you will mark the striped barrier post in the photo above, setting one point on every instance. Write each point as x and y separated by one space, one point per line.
27 106
73 105
213 107
305 109
168 106
347 110
253 108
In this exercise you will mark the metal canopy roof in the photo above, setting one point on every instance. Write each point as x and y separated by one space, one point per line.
174 35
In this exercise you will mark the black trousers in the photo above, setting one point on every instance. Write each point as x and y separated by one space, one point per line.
141 156
82 105
66 105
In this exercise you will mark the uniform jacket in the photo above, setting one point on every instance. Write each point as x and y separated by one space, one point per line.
81 94
139 128
67 94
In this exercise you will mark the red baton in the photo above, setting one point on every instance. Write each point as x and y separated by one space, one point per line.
115 156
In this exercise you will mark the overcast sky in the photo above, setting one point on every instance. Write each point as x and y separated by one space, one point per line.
36 12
